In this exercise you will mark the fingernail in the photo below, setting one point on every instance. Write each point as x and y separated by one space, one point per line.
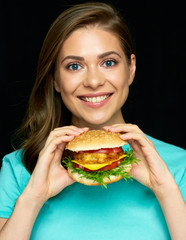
85 129
106 127
123 136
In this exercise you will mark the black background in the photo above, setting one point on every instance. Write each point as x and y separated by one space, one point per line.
157 97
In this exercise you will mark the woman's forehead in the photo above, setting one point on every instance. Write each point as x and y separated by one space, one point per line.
94 41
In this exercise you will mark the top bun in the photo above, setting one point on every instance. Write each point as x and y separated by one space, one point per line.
94 140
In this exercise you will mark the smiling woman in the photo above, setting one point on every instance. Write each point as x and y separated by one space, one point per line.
86 66
47 108
92 76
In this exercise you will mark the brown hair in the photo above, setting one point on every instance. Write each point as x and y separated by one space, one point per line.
46 109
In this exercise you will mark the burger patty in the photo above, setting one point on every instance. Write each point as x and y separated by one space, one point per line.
92 158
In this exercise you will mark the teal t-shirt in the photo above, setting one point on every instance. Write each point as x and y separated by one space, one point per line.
125 210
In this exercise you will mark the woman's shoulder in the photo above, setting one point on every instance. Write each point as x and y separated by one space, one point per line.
13 179
13 159
173 156
167 149
13 167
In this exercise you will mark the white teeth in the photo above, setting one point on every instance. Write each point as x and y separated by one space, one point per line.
95 99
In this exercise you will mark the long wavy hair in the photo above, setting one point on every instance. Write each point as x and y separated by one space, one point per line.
46 109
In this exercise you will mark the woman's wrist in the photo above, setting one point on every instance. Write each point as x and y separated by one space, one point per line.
166 189
174 209
28 200
19 225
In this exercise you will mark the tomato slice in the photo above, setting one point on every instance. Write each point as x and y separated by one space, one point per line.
112 165
81 167
106 168
104 150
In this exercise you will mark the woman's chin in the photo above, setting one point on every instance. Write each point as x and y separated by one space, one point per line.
96 123
97 120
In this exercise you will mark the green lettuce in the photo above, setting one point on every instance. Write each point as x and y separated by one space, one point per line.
98 176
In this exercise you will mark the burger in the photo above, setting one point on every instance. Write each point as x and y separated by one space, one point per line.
96 157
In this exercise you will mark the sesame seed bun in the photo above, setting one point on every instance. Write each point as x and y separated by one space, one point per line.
94 140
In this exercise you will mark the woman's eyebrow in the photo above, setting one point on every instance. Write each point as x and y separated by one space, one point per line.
78 58
107 54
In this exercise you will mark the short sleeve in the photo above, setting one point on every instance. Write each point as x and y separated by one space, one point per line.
182 185
9 188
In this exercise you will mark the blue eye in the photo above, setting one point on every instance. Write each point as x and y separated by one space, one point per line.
109 63
74 66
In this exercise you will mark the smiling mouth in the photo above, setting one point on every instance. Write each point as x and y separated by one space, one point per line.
97 99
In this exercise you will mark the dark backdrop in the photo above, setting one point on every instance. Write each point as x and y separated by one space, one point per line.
157 97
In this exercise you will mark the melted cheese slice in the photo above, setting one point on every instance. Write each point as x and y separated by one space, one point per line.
98 165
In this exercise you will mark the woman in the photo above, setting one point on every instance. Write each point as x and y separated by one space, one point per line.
86 66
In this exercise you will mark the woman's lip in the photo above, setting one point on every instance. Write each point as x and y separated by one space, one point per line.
96 104
95 94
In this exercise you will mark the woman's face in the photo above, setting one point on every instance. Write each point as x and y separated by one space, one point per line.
93 77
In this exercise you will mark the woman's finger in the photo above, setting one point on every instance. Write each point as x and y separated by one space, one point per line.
135 147
135 136
47 153
126 128
73 128
61 132
68 130
123 128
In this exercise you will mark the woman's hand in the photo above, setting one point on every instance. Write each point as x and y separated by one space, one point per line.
153 173
49 177
151 170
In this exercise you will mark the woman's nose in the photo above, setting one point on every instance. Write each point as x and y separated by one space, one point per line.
93 79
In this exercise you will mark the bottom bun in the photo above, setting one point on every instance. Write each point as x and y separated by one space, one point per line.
78 178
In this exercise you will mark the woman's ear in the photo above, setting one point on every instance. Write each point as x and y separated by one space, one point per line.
56 85
132 68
